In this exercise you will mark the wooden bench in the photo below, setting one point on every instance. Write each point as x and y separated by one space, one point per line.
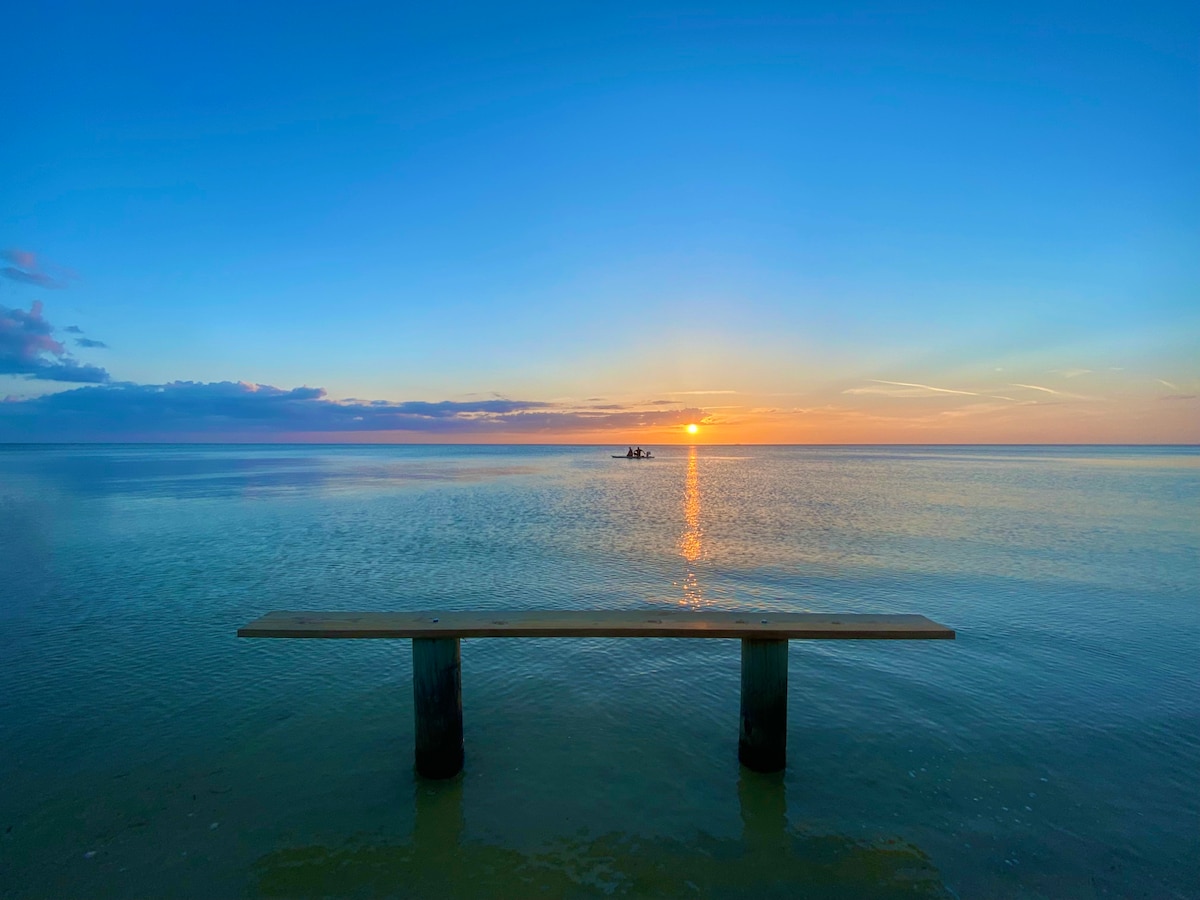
437 668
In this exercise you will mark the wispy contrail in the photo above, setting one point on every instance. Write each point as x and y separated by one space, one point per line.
1052 391
927 387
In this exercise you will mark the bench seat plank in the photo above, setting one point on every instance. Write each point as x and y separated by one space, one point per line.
595 623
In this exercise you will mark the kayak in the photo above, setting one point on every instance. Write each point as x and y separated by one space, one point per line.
643 456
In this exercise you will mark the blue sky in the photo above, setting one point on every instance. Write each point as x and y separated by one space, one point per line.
796 222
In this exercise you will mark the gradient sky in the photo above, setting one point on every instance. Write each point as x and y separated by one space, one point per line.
793 223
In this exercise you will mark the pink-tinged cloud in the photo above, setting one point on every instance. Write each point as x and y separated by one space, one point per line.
22 258
28 348
26 269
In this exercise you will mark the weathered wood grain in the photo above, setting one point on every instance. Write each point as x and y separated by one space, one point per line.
596 623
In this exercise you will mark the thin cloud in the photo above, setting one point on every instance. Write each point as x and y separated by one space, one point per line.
904 389
41 279
1052 391
909 389
886 392
927 387
971 409
1036 387
22 258
27 269
699 392
1070 373
1167 384
88 342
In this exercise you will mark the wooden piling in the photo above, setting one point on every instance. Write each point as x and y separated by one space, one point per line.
437 692
762 744
437 668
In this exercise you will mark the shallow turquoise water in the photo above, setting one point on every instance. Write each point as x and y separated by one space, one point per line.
1053 750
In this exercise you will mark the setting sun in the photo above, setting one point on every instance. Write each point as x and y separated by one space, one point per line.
693 428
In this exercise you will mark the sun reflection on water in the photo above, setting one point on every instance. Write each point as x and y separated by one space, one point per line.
691 544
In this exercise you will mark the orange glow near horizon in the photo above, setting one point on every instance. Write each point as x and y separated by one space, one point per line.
1069 412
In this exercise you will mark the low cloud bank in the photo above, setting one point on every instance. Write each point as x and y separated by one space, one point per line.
247 411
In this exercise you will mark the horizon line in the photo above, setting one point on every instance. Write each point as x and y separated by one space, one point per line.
194 443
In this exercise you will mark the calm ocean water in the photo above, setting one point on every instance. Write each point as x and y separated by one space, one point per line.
1053 750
